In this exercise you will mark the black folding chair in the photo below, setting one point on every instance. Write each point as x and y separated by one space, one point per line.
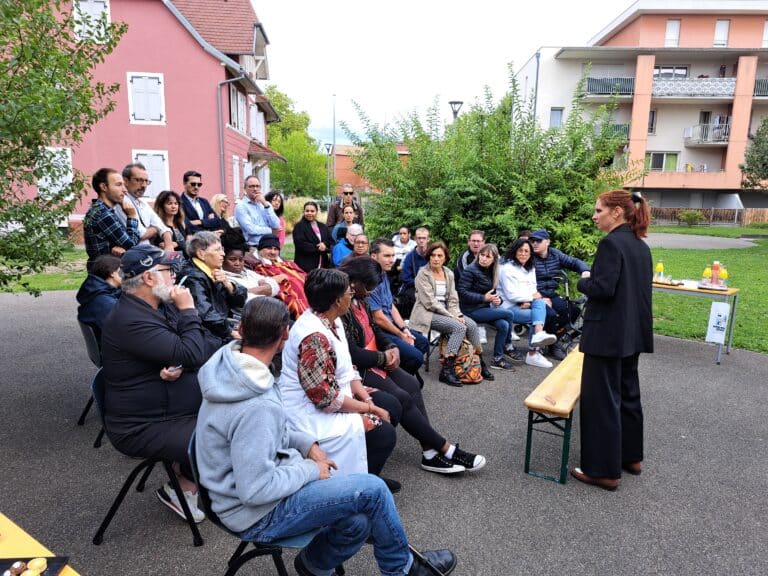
146 466
94 354
240 556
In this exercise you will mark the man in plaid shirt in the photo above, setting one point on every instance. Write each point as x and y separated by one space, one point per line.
104 232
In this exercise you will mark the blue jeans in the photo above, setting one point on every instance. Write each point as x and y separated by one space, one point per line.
347 510
501 319
411 357
532 316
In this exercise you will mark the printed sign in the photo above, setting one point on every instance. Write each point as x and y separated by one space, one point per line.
718 322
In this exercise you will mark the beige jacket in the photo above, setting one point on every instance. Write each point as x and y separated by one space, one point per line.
426 302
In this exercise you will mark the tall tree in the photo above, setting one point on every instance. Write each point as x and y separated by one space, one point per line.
48 98
495 169
304 172
755 167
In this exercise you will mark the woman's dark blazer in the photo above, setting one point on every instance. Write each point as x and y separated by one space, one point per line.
618 320
306 242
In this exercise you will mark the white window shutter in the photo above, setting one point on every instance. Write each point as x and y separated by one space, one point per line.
235 176
139 91
154 99
156 163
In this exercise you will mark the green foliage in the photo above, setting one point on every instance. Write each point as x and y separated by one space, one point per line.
304 172
294 210
690 217
755 167
47 98
495 169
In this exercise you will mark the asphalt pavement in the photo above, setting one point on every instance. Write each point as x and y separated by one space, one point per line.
695 242
698 508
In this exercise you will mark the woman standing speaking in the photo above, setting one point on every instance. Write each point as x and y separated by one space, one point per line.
617 328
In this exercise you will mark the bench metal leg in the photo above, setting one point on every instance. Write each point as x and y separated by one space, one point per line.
566 450
528 440
564 426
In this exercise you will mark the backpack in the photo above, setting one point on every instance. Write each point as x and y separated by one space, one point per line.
467 363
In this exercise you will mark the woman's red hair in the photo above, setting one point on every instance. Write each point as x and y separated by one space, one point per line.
636 211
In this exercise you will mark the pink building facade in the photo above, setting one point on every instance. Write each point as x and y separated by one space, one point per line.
188 96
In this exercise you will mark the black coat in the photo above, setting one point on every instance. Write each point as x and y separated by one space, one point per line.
473 284
618 320
304 239
213 301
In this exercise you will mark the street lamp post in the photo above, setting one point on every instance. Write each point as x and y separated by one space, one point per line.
455 107
328 147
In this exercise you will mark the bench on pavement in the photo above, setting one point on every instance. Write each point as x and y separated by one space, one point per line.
551 403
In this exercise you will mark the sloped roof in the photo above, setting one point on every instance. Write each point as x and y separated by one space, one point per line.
226 24
261 152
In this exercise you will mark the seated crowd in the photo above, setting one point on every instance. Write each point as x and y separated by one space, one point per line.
193 307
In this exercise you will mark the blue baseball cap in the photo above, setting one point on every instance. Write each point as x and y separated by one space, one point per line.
143 257
540 234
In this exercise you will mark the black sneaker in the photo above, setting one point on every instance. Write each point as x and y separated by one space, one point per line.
557 352
501 364
393 485
432 562
441 465
470 461
515 355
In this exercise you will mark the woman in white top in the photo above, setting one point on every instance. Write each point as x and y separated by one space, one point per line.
517 285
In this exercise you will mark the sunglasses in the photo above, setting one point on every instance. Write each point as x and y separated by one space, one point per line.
537 240
349 193
196 184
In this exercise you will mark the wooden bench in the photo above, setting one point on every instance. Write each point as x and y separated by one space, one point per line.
552 403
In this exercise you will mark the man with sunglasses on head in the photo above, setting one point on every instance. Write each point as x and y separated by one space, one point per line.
336 209
549 263
152 344
199 213
150 224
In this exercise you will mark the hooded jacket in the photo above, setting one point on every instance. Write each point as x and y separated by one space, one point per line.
96 297
249 457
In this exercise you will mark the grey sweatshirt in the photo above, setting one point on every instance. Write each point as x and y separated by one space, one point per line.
249 457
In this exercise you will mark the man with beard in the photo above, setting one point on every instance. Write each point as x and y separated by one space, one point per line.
153 342
136 181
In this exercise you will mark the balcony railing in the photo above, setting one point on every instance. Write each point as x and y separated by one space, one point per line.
608 86
761 86
682 87
621 130
707 134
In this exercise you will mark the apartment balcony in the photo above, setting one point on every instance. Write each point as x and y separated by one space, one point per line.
711 88
699 176
610 86
707 136
621 130
761 87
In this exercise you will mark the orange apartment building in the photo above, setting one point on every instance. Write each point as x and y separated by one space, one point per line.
691 80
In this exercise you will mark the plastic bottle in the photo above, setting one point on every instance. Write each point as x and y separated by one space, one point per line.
660 271
723 276
716 273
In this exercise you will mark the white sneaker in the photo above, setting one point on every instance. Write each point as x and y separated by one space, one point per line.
537 359
543 339
483 336
167 496
513 335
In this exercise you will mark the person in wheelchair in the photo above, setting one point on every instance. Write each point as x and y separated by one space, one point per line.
549 263
266 480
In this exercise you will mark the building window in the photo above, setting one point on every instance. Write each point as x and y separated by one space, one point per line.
672 36
258 126
670 71
652 122
146 98
59 175
555 117
235 177
156 163
263 175
661 161
87 15
237 109
721 33
765 34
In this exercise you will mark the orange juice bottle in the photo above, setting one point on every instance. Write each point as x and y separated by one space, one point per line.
716 273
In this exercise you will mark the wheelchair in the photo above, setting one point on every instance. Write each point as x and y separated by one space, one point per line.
568 335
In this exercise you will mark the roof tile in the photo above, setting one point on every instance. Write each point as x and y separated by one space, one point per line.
227 24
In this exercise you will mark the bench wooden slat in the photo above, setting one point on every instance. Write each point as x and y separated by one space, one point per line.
559 391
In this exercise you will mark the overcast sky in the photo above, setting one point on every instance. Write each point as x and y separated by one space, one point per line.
397 56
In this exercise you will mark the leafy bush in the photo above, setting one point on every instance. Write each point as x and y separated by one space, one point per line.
690 217
494 169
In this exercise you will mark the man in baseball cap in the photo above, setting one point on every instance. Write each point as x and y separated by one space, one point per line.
144 257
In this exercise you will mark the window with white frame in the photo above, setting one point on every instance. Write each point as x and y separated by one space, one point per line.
248 171
87 15
237 109
652 122
258 125
59 174
721 33
661 161
555 117
672 35
765 34
235 176
156 163
670 71
146 98
263 175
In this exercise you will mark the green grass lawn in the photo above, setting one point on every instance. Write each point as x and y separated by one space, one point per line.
687 317
720 231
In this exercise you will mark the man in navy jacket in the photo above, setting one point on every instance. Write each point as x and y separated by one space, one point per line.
200 215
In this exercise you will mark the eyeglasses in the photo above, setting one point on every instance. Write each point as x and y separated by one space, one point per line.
348 193
361 242
141 180
253 186
171 271
536 240
195 184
